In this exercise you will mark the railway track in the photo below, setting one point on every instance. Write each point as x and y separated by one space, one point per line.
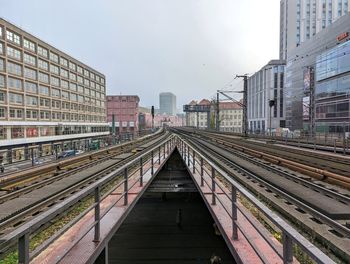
21 205
13 181
333 169
317 210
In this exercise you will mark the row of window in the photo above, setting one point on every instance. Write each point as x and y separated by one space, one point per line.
33 74
91 96
43 52
15 113
34 131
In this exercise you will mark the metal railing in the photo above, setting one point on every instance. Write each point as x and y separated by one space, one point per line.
209 171
22 234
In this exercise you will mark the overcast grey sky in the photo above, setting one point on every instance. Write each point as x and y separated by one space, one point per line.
144 47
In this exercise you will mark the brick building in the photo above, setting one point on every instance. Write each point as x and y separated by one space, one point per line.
126 109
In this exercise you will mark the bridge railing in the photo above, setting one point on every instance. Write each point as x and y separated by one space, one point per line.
22 234
207 169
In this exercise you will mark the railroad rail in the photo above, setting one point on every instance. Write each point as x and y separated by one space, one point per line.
22 205
142 163
10 179
328 143
318 210
330 168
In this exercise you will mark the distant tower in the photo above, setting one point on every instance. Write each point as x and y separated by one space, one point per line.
167 103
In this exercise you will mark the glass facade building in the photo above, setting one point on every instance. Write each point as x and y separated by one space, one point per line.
332 93
326 56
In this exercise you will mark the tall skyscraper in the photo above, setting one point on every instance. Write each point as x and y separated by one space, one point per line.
302 19
167 103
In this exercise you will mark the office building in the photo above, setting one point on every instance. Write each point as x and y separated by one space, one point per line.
302 19
125 109
167 103
46 96
316 81
265 86
332 92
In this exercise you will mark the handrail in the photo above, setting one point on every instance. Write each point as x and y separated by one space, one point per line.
290 235
22 233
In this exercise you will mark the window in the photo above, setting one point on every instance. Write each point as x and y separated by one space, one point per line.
86 73
17 132
2 130
80 79
33 114
42 52
87 91
2 65
13 37
28 45
87 82
14 68
53 57
29 59
72 66
79 69
1 31
64 84
43 77
64 62
43 65
73 86
92 85
55 81
16 98
31 87
54 69
15 83
44 102
1 48
31 100
44 90
2 81
80 89
29 73
44 115
73 97
13 53
72 76
92 76
55 93
2 97
65 95
64 73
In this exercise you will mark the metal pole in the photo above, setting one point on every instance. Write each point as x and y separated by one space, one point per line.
23 249
141 172
188 156
32 155
97 214
125 186
234 213
152 157
213 200
217 111
202 180
159 149
287 249
194 161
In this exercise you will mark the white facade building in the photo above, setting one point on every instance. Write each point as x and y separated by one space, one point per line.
264 86
231 116
302 19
